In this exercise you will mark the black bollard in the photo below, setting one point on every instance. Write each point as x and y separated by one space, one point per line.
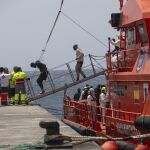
52 136
52 127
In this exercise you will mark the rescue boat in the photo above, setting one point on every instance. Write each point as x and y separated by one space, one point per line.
128 82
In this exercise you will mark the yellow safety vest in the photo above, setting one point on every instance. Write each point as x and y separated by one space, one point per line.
19 77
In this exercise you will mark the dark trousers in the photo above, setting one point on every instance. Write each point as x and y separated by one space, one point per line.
42 76
79 70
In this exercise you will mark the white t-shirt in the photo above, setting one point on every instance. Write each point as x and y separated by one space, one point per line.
116 43
79 55
90 100
4 79
102 99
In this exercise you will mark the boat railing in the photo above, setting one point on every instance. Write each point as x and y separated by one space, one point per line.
121 115
91 116
122 60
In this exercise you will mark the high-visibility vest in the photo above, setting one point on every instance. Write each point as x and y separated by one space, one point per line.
19 77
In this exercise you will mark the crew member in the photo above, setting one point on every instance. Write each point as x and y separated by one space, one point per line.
19 78
79 59
43 74
12 85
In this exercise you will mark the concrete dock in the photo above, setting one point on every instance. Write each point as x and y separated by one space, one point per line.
20 125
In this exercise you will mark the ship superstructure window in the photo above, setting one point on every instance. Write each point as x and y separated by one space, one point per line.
143 33
131 36
119 89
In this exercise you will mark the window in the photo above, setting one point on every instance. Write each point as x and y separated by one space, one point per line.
119 89
131 36
143 33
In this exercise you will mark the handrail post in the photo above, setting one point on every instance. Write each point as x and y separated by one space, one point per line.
109 58
92 64
51 81
29 85
70 72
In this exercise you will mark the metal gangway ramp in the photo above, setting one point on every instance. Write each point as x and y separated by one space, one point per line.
65 73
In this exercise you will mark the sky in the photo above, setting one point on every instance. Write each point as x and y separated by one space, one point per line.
25 26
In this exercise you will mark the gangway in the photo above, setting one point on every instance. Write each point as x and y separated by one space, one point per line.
65 73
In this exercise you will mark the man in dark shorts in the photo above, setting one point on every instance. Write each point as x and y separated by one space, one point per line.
43 74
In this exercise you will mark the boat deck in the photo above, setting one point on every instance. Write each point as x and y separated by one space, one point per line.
20 125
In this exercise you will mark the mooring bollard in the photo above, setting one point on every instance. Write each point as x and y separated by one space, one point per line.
52 127
52 136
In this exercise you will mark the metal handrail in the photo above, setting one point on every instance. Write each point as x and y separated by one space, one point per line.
124 61
55 80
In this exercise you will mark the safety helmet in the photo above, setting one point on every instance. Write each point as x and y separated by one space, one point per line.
103 89
75 46
33 65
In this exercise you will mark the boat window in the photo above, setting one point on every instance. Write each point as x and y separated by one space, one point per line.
119 89
131 36
143 33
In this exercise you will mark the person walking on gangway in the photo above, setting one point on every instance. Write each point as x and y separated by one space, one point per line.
79 59
43 74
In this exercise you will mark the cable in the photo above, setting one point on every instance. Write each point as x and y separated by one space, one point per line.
84 29
44 50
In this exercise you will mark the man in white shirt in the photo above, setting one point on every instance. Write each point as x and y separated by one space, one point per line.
102 102
114 57
91 99
4 82
91 103
4 79
79 59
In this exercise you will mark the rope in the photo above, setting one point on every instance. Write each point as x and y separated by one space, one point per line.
76 140
84 29
25 147
97 139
